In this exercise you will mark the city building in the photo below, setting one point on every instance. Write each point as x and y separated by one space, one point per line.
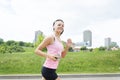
36 34
107 43
87 38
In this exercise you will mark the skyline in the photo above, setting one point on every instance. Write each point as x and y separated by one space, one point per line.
19 19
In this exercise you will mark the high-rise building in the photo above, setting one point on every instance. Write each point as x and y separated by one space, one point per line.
36 34
87 38
107 42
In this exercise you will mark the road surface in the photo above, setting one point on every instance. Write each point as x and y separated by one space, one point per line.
64 77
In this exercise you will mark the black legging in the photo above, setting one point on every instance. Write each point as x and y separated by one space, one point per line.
49 74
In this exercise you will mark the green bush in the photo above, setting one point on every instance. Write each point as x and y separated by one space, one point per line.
83 48
102 48
10 49
2 49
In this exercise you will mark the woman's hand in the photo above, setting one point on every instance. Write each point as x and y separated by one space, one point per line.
52 57
68 45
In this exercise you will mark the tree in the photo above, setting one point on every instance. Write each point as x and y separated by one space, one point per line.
113 44
28 44
21 43
11 42
40 38
1 41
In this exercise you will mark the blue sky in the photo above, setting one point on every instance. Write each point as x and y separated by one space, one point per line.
19 19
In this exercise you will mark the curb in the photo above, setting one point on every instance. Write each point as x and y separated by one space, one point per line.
36 76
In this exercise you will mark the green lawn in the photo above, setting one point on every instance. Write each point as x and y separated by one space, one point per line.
74 62
91 62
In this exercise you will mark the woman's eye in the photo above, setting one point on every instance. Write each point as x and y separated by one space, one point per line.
59 24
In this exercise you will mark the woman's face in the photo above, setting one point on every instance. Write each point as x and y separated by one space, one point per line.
58 27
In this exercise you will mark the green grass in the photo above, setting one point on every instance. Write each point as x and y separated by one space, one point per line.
91 62
74 62
18 63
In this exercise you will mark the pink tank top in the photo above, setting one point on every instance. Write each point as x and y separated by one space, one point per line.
55 49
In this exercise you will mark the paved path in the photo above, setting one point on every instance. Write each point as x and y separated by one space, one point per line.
64 77
97 78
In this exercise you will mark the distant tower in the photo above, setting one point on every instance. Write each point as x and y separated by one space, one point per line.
87 38
107 43
36 34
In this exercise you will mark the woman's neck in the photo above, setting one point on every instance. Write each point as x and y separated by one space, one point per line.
57 35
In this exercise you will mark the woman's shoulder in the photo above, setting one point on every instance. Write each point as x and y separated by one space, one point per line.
50 38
